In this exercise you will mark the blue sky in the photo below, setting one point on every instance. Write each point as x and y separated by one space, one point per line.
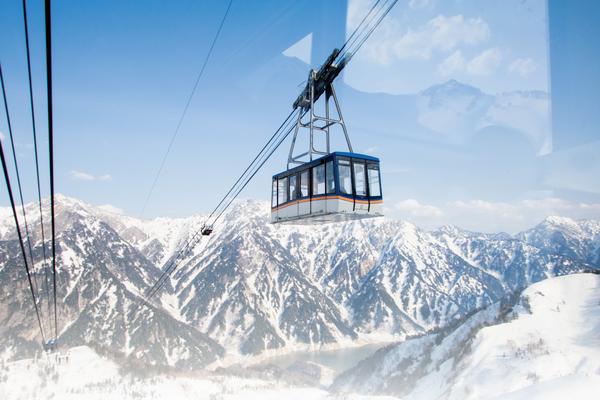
123 74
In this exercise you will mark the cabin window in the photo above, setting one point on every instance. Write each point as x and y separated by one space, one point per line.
330 177
360 182
304 184
292 195
274 194
319 179
345 176
282 192
374 184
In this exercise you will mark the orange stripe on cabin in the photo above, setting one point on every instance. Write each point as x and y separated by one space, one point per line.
295 202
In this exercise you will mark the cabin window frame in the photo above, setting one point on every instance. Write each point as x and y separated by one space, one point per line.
305 172
292 192
282 190
330 179
373 166
357 162
274 194
341 165
315 182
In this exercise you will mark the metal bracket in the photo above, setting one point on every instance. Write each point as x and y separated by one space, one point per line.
317 124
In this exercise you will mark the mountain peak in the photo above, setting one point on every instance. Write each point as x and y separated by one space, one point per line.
555 220
452 87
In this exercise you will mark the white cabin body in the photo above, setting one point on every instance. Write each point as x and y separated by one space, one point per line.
336 187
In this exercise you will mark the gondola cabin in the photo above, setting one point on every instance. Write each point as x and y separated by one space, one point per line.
336 187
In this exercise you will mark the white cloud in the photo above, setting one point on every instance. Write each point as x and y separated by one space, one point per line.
454 63
485 63
522 66
440 35
517 209
84 176
357 9
492 216
516 216
413 208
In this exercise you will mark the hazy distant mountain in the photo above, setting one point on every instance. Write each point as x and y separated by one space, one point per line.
253 286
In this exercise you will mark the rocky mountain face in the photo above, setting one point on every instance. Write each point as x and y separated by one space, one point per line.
100 279
578 240
253 286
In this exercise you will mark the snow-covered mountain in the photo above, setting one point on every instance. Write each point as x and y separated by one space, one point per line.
253 286
578 240
542 344
511 350
100 281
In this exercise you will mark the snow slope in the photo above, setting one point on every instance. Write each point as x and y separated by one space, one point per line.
544 345
82 374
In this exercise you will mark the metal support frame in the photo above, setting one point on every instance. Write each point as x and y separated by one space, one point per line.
313 126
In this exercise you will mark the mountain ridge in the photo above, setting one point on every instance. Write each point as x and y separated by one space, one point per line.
253 286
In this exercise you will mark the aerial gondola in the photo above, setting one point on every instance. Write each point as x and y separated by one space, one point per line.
325 186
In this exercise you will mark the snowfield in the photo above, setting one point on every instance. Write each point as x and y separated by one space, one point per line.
546 345
82 374
543 345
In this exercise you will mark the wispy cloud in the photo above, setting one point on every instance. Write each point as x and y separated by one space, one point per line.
522 209
484 63
522 66
491 216
440 35
413 208
452 64
84 176
514 216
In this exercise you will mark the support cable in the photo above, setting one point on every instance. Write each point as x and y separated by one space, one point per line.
362 40
359 26
185 109
353 44
37 165
278 143
264 154
48 21
253 161
14 153
14 210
